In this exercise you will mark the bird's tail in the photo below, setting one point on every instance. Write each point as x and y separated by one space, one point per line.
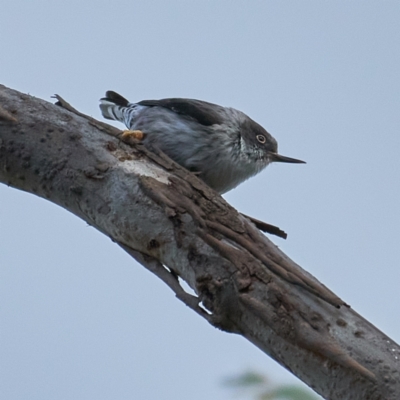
112 106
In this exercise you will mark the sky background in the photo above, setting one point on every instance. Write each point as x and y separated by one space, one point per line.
81 320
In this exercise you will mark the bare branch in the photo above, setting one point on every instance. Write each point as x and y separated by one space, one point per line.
174 225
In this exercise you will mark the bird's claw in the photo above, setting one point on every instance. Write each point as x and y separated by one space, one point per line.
128 134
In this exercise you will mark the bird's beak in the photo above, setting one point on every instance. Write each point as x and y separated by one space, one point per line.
275 157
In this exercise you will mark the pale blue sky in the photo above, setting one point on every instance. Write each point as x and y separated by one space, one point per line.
79 319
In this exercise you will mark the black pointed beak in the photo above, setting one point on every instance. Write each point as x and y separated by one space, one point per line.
275 157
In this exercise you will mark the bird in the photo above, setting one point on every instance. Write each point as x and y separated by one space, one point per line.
221 145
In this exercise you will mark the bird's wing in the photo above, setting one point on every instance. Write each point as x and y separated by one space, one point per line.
203 112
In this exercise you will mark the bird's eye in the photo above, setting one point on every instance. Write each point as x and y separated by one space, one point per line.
261 138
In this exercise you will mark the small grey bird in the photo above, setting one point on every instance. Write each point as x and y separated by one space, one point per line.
223 146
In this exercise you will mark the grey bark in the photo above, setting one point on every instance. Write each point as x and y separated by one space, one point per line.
178 228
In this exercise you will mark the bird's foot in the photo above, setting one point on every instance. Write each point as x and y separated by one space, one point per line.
128 135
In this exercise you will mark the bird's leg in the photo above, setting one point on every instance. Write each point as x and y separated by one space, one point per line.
128 134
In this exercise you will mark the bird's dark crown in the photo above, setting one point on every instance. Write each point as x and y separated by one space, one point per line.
256 136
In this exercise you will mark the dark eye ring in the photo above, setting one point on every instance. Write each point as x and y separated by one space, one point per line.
261 138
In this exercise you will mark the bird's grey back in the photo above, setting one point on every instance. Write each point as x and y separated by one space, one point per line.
201 136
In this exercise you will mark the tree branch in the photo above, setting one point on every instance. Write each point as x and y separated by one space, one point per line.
173 224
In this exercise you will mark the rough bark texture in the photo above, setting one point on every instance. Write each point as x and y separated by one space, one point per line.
174 225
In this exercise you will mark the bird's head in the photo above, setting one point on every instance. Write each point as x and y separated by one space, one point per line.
262 144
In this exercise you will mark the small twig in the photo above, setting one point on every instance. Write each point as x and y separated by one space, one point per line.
98 124
265 227
64 104
154 266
